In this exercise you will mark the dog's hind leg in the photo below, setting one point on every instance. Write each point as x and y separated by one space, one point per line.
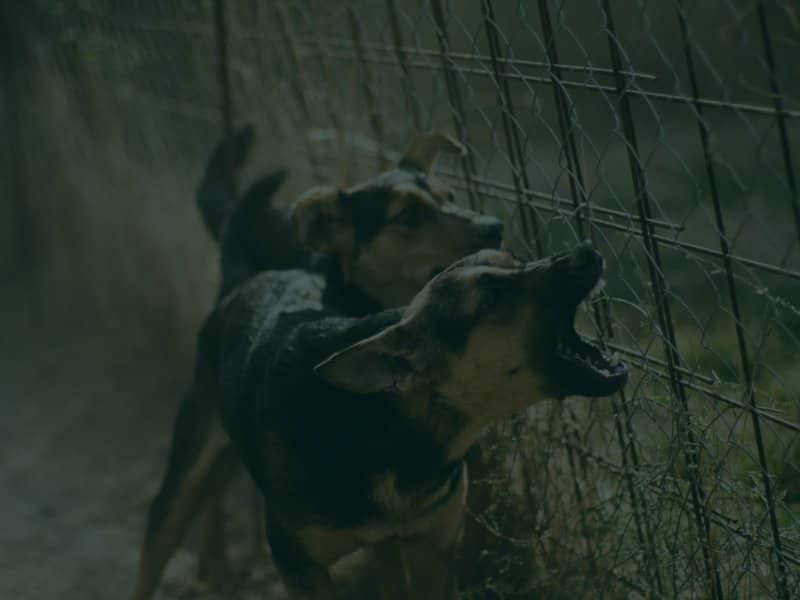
258 540
201 464
212 564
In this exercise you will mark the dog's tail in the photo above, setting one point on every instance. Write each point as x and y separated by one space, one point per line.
257 236
253 234
215 197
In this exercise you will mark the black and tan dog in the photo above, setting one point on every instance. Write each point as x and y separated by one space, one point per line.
355 429
382 241
383 238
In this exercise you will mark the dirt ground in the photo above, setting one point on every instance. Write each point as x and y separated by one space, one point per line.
84 430
85 425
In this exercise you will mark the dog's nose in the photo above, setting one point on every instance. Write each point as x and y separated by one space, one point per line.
491 231
585 256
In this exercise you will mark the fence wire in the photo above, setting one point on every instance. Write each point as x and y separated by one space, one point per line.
662 131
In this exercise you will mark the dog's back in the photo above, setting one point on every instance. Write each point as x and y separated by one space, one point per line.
273 336
337 469
252 312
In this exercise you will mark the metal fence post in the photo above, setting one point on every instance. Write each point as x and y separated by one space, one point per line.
664 315
288 41
367 87
625 435
780 115
456 102
516 154
733 297
402 59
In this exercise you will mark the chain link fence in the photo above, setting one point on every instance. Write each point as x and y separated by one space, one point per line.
662 131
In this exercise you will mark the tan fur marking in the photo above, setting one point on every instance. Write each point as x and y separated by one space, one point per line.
326 545
492 349
198 487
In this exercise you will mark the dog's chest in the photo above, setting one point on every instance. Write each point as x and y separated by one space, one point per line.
403 505
404 513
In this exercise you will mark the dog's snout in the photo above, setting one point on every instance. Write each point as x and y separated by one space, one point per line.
491 231
585 256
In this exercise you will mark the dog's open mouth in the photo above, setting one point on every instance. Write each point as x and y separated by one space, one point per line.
583 367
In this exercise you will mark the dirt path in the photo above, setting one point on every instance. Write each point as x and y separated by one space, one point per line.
83 435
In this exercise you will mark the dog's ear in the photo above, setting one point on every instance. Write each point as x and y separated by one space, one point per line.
383 362
317 221
421 155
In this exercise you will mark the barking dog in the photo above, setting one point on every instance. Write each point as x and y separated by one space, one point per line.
355 429
380 242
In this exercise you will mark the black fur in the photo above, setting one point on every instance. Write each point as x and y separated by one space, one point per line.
370 206
313 449
369 203
256 237
214 197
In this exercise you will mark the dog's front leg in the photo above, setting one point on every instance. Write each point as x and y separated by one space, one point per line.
434 554
416 568
304 578
423 566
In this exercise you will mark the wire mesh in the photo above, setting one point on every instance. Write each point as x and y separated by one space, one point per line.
664 132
